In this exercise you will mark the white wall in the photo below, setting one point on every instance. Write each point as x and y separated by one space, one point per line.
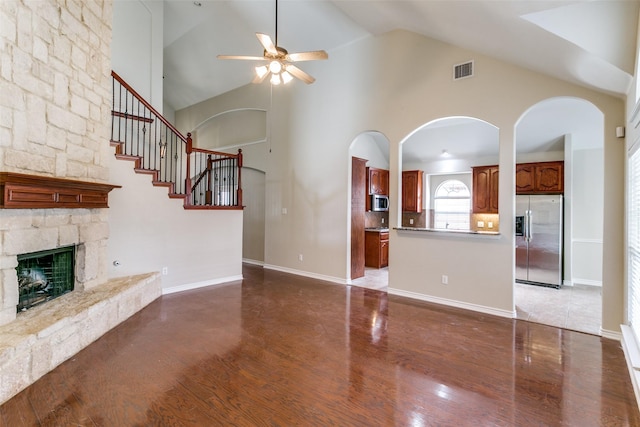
372 147
587 203
149 231
253 191
137 47
393 84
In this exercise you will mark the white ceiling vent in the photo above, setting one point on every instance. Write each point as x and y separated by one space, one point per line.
462 71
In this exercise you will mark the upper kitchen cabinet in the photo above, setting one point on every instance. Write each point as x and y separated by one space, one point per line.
412 191
540 178
485 189
378 181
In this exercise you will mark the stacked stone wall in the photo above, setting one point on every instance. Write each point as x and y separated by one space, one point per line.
55 92
55 106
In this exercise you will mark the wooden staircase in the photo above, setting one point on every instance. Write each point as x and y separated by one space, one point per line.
203 179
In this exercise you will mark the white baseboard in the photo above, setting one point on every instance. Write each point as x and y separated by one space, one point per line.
587 282
307 274
612 335
253 262
453 303
205 283
632 355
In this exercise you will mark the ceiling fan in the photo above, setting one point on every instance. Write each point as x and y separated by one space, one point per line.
279 62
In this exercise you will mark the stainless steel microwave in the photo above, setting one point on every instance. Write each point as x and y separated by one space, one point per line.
379 202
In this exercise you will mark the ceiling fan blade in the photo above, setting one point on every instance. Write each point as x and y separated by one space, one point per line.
244 57
308 56
266 42
299 74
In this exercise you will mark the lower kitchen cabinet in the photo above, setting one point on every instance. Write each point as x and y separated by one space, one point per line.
376 245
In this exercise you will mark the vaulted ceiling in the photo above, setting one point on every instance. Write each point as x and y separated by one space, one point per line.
591 43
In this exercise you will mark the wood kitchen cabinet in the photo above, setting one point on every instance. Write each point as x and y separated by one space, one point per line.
540 178
376 248
412 191
378 181
485 189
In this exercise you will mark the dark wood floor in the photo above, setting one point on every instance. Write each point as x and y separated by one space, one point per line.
281 350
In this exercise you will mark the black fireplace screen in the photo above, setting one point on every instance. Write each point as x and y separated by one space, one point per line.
44 275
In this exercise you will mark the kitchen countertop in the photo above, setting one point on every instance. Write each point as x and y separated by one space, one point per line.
378 229
451 232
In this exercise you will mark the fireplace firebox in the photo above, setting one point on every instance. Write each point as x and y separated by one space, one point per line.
45 275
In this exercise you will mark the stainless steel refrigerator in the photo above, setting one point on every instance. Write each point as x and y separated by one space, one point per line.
539 240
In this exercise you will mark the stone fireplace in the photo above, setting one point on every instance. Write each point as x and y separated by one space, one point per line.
37 340
55 115
44 276
45 227
27 231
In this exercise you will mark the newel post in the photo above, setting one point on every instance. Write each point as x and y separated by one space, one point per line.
240 177
187 180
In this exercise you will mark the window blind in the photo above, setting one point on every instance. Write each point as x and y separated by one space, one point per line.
633 241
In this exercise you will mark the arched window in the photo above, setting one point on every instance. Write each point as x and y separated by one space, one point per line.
452 206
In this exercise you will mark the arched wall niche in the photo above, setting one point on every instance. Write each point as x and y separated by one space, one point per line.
231 129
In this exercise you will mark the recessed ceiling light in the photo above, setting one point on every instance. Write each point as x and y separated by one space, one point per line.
445 153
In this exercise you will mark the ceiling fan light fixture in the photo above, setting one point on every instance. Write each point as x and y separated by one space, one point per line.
275 67
279 62
262 71
286 77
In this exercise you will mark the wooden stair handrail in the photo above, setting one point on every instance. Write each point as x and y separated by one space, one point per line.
188 149
146 104
217 153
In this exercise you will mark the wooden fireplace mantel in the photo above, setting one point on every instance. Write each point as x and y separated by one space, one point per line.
20 191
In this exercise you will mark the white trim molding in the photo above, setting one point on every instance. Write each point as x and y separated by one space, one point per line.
632 355
586 282
612 335
452 303
203 284
253 262
337 280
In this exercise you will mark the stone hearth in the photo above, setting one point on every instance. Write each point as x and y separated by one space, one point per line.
45 336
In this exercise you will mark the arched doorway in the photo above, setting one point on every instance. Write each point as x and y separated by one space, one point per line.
369 221
571 131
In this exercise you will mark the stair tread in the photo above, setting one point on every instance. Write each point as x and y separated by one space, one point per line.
127 157
147 171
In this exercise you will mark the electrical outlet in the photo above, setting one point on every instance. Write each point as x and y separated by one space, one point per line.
445 279
284 211
165 271
490 224
383 220
300 257
480 224
410 221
